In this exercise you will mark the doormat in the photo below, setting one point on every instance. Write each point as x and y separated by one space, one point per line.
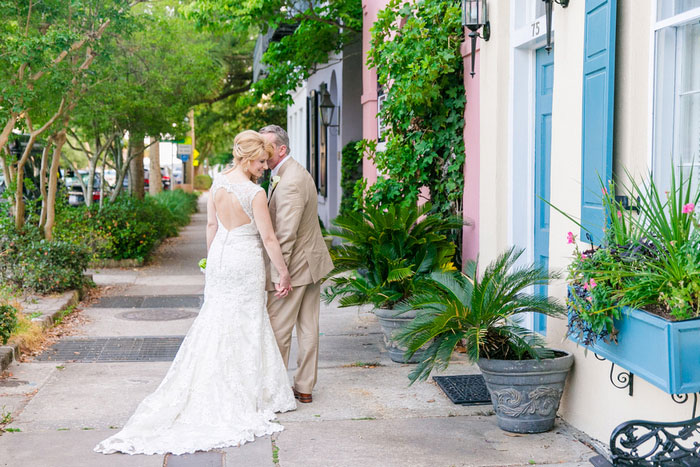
464 389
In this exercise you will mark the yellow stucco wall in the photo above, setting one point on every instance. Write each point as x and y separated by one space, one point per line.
590 403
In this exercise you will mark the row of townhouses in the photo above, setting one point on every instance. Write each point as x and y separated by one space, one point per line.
618 91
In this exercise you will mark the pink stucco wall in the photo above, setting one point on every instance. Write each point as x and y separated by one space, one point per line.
370 8
470 235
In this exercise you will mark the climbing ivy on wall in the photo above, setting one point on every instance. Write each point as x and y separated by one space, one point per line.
415 49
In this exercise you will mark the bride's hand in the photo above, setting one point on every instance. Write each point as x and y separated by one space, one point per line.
284 286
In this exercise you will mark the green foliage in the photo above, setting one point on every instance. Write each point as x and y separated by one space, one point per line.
202 182
8 323
319 30
128 228
387 253
350 173
483 312
649 260
29 262
415 48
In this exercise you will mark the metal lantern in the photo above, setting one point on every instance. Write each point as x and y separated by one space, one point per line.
473 14
548 12
474 17
327 107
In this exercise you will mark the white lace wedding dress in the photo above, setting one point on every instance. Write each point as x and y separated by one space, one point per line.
228 378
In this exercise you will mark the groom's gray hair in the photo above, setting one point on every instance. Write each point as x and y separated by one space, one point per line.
281 136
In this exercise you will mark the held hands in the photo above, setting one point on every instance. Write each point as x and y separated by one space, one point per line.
284 286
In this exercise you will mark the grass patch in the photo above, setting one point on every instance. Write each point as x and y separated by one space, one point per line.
62 314
29 336
275 454
360 364
5 417
363 418
11 430
63 429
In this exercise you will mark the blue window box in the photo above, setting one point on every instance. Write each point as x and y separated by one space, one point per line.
665 353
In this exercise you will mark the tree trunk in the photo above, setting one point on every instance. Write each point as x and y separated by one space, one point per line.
136 166
59 141
42 180
155 184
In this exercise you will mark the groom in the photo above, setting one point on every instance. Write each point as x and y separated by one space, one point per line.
293 208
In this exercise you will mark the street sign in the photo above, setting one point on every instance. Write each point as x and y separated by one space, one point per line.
184 149
183 157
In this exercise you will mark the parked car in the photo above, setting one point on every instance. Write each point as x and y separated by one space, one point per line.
76 196
164 179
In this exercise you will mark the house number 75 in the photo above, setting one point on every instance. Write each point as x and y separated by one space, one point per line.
535 28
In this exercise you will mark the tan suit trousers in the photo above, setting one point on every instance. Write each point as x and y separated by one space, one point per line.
301 308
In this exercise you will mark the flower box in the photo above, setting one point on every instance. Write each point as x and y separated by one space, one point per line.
664 353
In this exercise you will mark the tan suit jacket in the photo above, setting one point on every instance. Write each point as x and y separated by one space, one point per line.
293 210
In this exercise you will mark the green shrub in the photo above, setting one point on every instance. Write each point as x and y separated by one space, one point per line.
179 203
350 173
8 322
32 263
128 228
202 182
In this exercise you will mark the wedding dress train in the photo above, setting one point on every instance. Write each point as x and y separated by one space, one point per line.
228 379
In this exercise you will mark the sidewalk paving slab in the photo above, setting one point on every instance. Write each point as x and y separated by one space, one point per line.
421 442
65 449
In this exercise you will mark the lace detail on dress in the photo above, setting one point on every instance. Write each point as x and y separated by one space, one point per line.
228 378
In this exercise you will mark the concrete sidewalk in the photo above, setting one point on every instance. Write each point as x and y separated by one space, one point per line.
362 415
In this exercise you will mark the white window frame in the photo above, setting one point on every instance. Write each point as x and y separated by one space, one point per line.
659 163
524 42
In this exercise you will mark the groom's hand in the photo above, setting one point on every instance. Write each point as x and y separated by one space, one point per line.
281 291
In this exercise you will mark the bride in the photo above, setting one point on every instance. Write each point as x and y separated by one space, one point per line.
228 378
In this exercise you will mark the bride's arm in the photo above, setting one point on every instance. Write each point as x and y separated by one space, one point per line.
212 223
269 239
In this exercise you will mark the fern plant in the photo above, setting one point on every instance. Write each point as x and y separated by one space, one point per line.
483 312
387 252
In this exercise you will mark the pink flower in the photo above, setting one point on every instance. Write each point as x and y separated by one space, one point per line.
584 256
688 208
605 191
619 214
589 298
593 283
569 238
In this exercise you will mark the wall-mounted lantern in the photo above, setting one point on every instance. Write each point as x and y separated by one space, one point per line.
327 108
474 17
548 11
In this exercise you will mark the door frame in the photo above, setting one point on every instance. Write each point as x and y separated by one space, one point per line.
521 133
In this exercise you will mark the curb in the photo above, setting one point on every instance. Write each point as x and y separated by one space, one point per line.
10 353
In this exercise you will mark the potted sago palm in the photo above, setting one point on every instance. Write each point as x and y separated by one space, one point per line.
525 378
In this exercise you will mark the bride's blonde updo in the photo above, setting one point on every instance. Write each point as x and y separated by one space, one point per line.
248 146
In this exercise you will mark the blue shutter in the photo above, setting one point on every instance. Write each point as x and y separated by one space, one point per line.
598 105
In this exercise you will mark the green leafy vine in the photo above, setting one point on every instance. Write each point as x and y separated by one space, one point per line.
415 49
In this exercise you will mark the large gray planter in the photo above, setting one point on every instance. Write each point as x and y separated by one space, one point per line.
391 323
526 393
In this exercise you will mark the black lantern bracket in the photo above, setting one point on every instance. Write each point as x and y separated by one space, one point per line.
623 379
548 13
475 17
328 108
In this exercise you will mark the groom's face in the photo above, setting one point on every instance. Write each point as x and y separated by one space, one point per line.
279 152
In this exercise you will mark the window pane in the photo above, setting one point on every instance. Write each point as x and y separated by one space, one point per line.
689 137
668 8
539 9
690 57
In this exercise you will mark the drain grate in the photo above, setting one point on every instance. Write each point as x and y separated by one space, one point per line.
464 389
150 301
114 349
156 314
